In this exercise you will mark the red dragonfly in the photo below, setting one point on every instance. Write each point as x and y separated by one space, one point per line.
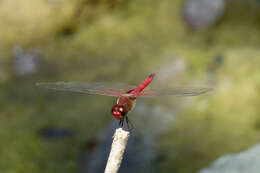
126 94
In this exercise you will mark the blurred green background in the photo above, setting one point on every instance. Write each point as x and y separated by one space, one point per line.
124 41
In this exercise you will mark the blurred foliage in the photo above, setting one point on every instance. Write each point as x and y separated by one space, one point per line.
124 40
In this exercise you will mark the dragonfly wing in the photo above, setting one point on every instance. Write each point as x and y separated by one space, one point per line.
178 91
100 88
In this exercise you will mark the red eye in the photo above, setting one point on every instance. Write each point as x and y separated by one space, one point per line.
118 111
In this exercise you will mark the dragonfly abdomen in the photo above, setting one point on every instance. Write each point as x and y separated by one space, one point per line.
143 85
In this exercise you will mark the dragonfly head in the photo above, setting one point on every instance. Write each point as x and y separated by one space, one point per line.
118 111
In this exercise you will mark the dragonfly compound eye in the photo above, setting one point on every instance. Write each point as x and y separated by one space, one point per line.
118 111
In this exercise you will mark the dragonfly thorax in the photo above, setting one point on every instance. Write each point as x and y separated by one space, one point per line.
119 111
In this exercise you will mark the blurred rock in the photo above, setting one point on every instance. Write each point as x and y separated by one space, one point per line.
173 70
154 119
245 162
25 63
201 14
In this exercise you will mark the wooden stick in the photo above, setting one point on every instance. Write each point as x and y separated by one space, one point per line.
117 150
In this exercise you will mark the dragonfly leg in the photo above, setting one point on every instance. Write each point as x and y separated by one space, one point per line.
130 126
121 122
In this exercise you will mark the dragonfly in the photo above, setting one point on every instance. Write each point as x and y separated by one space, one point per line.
126 94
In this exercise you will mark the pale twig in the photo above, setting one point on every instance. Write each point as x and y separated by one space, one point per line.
117 150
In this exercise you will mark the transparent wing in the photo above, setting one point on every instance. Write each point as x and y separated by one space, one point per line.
177 91
99 88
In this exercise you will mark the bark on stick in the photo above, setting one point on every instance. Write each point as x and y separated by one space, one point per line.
117 150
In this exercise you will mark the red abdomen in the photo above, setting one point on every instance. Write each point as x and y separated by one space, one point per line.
143 85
